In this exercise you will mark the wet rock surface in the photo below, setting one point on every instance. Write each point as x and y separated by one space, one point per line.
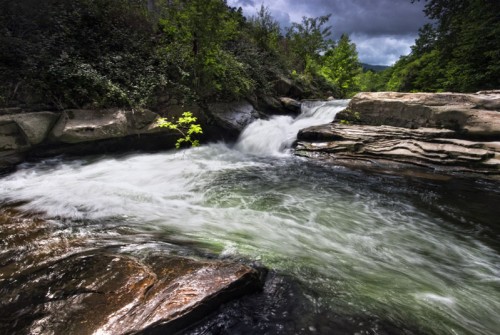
439 132
57 280
284 307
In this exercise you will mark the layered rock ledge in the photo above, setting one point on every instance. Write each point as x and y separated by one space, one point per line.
24 135
443 131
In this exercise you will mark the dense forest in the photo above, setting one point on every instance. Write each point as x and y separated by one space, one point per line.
100 53
140 53
459 52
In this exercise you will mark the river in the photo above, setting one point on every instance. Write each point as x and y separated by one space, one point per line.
375 249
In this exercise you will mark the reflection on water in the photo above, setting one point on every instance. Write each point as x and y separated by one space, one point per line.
421 254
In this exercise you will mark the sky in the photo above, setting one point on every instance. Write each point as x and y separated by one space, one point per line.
383 30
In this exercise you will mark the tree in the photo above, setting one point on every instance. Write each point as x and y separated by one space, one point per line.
265 30
185 126
52 54
340 66
195 36
308 40
459 52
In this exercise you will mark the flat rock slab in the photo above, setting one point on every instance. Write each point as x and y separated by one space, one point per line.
52 282
471 116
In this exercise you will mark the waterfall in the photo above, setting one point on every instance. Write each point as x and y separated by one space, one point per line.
274 136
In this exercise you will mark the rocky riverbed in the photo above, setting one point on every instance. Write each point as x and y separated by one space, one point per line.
55 280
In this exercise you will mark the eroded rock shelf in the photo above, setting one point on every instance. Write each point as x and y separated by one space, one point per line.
441 132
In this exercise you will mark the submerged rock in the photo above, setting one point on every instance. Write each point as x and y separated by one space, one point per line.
446 132
53 282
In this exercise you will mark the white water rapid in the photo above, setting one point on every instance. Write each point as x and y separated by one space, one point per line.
415 254
272 137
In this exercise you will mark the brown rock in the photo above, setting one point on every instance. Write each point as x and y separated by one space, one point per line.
428 147
470 115
53 282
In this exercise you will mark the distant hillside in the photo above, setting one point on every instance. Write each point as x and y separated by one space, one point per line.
375 68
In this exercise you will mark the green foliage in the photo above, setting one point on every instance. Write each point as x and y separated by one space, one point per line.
195 36
264 30
134 53
185 126
461 52
371 81
77 53
306 41
340 66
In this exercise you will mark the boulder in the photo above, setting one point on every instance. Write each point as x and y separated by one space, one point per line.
33 126
291 105
54 281
11 137
470 115
283 86
234 116
77 126
267 105
20 132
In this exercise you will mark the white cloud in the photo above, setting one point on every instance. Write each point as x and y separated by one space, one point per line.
382 50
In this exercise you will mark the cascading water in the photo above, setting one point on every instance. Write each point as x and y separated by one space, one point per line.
421 256
272 137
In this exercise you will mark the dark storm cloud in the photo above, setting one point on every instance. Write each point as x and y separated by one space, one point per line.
378 17
382 29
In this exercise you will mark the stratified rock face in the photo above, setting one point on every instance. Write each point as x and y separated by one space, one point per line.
55 282
423 146
470 115
449 132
